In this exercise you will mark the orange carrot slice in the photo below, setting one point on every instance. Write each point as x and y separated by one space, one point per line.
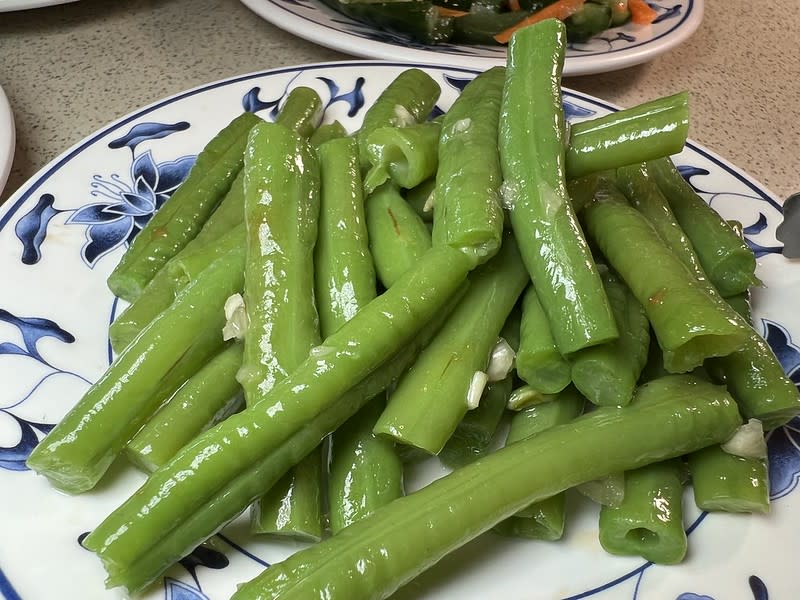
641 13
450 12
561 10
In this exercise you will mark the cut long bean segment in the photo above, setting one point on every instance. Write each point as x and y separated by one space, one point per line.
447 368
532 156
398 237
250 450
539 363
281 215
372 558
407 100
607 374
365 471
327 132
641 133
646 197
607 491
724 482
293 506
467 209
684 315
159 293
405 155
649 522
183 215
77 451
421 199
757 380
345 275
741 304
187 266
281 211
726 258
544 519
476 430
208 397
301 111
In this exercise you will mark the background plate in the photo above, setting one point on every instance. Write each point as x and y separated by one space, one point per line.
615 48
9 5
7 138
64 230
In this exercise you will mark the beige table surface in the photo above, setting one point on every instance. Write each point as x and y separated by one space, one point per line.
69 69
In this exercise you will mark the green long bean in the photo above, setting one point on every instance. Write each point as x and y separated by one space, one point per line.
544 519
405 155
649 521
397 235
365 472
77 452
161 290
209 396
532 156
281 212
724 482
447 368
646 197
467 210
725 256
475 432
301 111
607 374
237 458
182 216
539 363
372 558
325 133
684 315
641 133
407 100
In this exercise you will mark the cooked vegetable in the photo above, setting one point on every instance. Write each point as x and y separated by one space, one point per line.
78 451
683 314
183 215
208 397
398 237
467 210
372 558
724 255
649 521
532 155
365 471
406 155
445 370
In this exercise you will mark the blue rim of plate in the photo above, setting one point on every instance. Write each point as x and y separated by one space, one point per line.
9 209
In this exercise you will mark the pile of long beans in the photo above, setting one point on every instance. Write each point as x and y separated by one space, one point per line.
310 308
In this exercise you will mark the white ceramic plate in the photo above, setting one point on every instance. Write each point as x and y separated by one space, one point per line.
615 48
9 5
62 233
7 138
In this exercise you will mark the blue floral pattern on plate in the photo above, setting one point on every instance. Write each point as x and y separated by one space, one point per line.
35 215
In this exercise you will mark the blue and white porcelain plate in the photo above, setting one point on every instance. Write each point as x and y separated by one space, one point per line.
64 230
613 49
7 138
9 5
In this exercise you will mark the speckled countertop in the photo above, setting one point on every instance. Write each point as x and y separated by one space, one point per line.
69 69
